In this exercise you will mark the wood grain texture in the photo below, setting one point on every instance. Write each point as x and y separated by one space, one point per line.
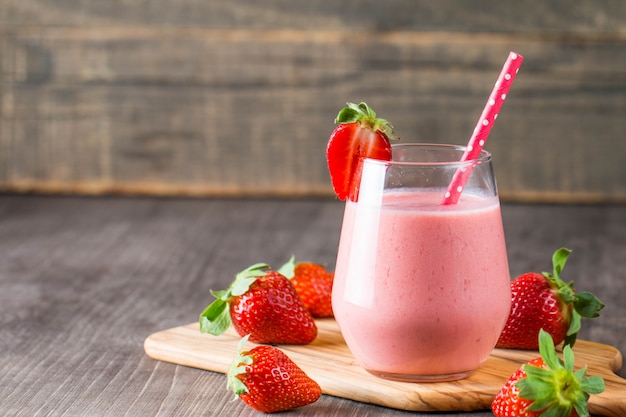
237 98
554 16
329 362
84 281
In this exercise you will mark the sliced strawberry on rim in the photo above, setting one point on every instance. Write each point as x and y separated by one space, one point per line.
360 134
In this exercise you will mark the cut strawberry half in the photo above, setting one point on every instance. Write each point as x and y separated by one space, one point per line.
360 135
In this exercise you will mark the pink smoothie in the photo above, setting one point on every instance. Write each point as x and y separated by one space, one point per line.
421 288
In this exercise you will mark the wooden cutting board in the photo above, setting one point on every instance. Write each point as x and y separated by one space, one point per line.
328 361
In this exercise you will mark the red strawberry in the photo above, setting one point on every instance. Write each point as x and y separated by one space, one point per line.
267 380
545 301
263 304
547 386
314 285
359 135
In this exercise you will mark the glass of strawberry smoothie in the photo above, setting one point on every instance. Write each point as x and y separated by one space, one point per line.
421 290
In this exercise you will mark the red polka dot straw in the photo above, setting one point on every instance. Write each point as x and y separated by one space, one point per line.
483 127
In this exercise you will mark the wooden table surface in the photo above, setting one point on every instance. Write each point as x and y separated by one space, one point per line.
84 280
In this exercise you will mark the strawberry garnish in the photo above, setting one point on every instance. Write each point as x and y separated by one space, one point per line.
544 301
314 285
547 386
267 380
360 134
263 304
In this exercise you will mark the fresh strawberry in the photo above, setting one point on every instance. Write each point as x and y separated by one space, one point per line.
545 301
267 380
359 135
314 285
547 386
262 303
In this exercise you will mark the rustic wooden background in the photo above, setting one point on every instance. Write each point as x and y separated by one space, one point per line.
237 97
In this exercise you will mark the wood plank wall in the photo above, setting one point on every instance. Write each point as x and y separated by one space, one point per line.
205 97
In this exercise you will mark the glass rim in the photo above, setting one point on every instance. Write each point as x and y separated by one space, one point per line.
485 156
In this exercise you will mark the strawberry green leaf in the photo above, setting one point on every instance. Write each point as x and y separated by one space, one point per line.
215 319
593 385
288 269
347 115
539 404
547 351
539 374
559 258
574 327
237 367
568 358
582 408
588 305
245 278
583 304
581 373
567 294
538 389
366 109
363 114
235 384
241 285
222 295
556 411
570 340
575 324
555 389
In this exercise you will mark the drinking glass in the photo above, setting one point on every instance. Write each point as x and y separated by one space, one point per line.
421 290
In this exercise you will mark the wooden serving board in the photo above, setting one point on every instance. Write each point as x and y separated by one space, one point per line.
328 361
